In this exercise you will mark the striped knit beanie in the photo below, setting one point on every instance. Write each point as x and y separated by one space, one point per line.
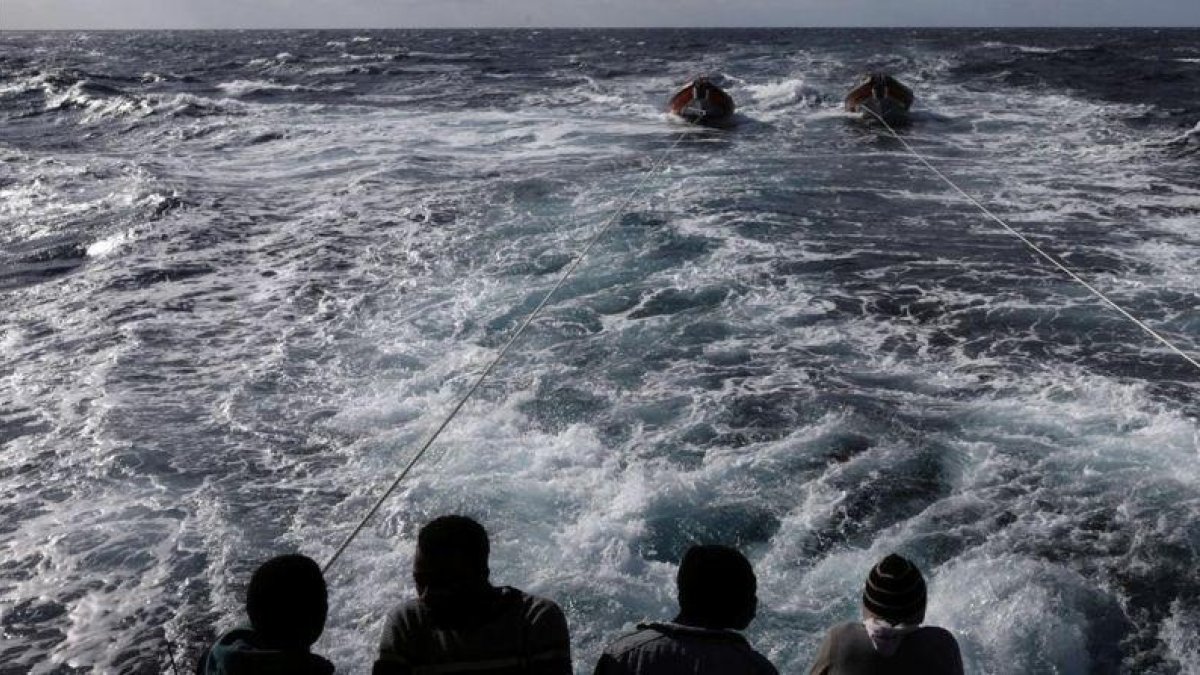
895 591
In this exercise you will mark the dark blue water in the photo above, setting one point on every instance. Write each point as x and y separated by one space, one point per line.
245 273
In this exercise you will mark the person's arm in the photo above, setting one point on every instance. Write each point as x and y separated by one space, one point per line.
953 664
765 667
389 667
824 660
607 665
957 666
550 642
392 659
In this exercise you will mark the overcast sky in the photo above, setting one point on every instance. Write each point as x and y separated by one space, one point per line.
26 14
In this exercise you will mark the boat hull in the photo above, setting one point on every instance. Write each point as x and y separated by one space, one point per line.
881 97
701 102
705 112
889 110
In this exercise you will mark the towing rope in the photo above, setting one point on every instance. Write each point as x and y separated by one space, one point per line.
504 350
1034 247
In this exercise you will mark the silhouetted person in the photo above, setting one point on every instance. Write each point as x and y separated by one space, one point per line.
461 623
890 640
716 599
287 602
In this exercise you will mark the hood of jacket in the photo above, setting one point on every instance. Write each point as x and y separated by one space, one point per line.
240 652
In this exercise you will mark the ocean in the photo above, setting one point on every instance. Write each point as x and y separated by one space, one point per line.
244 274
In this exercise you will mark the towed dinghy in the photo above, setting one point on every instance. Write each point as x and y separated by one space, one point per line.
881 96
702 102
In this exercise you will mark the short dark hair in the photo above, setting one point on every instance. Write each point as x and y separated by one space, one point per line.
287 601
717 587
455 536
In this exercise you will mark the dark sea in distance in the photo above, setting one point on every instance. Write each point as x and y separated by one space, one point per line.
244 273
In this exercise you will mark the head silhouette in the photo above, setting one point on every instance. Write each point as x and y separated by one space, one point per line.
895 591
287 602
716 588
452 555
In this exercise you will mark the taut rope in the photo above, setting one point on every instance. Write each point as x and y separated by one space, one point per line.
503 351
1034 247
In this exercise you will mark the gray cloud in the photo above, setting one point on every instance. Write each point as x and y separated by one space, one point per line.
92 14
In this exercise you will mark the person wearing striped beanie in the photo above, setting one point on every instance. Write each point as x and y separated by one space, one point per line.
890 639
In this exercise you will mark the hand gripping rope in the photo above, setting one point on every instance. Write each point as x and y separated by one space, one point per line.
1034 247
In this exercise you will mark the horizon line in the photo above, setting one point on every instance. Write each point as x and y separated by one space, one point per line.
485 28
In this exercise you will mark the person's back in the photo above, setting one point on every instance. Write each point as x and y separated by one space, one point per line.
511 632
242 651
675 649
460 623
286 602
716 600
848 650
890 640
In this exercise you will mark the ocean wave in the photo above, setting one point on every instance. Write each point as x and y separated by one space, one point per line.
108 245
1185 143
241 88
445 56
99 102
793 338
356 69
1023 49
787 92
377 56
1181 635
19 87
191 105
49 81
1028 49
66 90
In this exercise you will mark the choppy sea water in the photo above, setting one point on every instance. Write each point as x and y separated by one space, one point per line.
243 274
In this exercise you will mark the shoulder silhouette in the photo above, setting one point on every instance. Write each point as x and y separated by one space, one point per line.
287 603
717 598
461 623
890 639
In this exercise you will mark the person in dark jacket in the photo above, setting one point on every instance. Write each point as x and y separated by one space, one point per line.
287 602
461 623
890 640
717 598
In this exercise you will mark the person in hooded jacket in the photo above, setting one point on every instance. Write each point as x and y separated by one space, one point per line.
717 598
287 602
890 639
461 623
